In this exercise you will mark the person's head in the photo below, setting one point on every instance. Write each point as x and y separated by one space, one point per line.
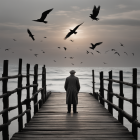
72 72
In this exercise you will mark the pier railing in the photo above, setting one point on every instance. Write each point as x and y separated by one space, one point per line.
121 113
27 102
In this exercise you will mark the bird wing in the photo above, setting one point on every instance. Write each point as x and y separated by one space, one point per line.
93 46
77 26
98 43
68 35
44 14
96 11
29 32
32 37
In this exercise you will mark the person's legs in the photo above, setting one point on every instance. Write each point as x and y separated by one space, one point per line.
69 108
75 108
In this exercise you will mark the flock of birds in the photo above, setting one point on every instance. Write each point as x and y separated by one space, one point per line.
93 16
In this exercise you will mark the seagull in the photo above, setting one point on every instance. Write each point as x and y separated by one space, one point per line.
125 53
87 52
7 49
54 60
133 54
73 31
45 37
44 15
36 55
14 39
71 40
97 51
95 13
121 44
65 48
30 34
93 46
59 47
91 53
117 53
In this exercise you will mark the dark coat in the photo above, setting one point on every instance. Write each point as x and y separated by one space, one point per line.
72 87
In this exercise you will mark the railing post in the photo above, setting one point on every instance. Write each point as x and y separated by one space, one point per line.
28 106
110 97
35 88
134 107
101 88
121 102
46 96
5 132
20 119
43 85
93 83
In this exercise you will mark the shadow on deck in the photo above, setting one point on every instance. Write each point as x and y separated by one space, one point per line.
93 121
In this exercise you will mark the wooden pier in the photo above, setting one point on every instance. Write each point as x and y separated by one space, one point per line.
92 122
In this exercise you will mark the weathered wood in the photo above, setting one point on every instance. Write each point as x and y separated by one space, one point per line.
28 106
102 88
19 93
121 103
35 88
134 107
43 94
5 132
93 82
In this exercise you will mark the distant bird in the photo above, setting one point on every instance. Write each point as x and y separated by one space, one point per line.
91 53
30 34
73 31
45 37
97 51
7 49
36 55
42 51
59 47
71 57
93 46
72 63
71 40
30 49
14 39
121 44
104 62
44 15
65 48
81 62
95 13
126 53
113 50
65 57
106 51
133 54
117 53
87 52
54 60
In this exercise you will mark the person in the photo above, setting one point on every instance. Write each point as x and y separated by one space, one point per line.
72 87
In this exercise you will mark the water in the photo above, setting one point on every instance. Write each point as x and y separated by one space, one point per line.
55 82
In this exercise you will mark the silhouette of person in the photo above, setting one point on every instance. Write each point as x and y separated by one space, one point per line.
72 87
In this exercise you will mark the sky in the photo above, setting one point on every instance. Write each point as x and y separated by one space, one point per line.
119 22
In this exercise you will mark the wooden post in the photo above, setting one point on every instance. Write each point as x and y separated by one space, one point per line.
110 97
121 102
93 83
101 88
28 106
46 96
134 107
35 88
5 132
20 120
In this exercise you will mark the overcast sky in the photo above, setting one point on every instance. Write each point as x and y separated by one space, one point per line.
119 22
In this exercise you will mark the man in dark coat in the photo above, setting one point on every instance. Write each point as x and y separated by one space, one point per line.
72 87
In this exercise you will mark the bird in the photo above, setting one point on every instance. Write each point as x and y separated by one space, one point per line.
113 50
72 63
71 40
121 44
45 37
97 51
30 49
65 48
117 53
104 62
7 49
71 57
126 53
14 39
36 55
81 62
42 51
87 52
59 47
91 53
72 31
30 34
93 46
133 54
54 60
95 13
65 57
43 16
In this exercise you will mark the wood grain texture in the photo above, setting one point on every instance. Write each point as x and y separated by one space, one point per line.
92 121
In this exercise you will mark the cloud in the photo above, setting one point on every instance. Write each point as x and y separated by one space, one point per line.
75 7
87 9
121 6
62 13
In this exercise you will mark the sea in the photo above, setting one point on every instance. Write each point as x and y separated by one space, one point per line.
55 79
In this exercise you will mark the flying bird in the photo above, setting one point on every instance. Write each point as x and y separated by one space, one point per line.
65 48
54 60
14 39
71 57
95 13
104 62
73 31
30 34
65 57
113 50
72 63
87 52
121 44
30 49
43 16
71 40
126 53
133 54
59 47
93 46
36 55
7 49
117 53
45 37
81 62
97 51
42 51
91 53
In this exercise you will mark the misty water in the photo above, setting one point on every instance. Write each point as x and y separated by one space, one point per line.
55 82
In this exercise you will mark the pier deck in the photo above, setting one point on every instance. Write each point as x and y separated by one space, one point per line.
92 122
